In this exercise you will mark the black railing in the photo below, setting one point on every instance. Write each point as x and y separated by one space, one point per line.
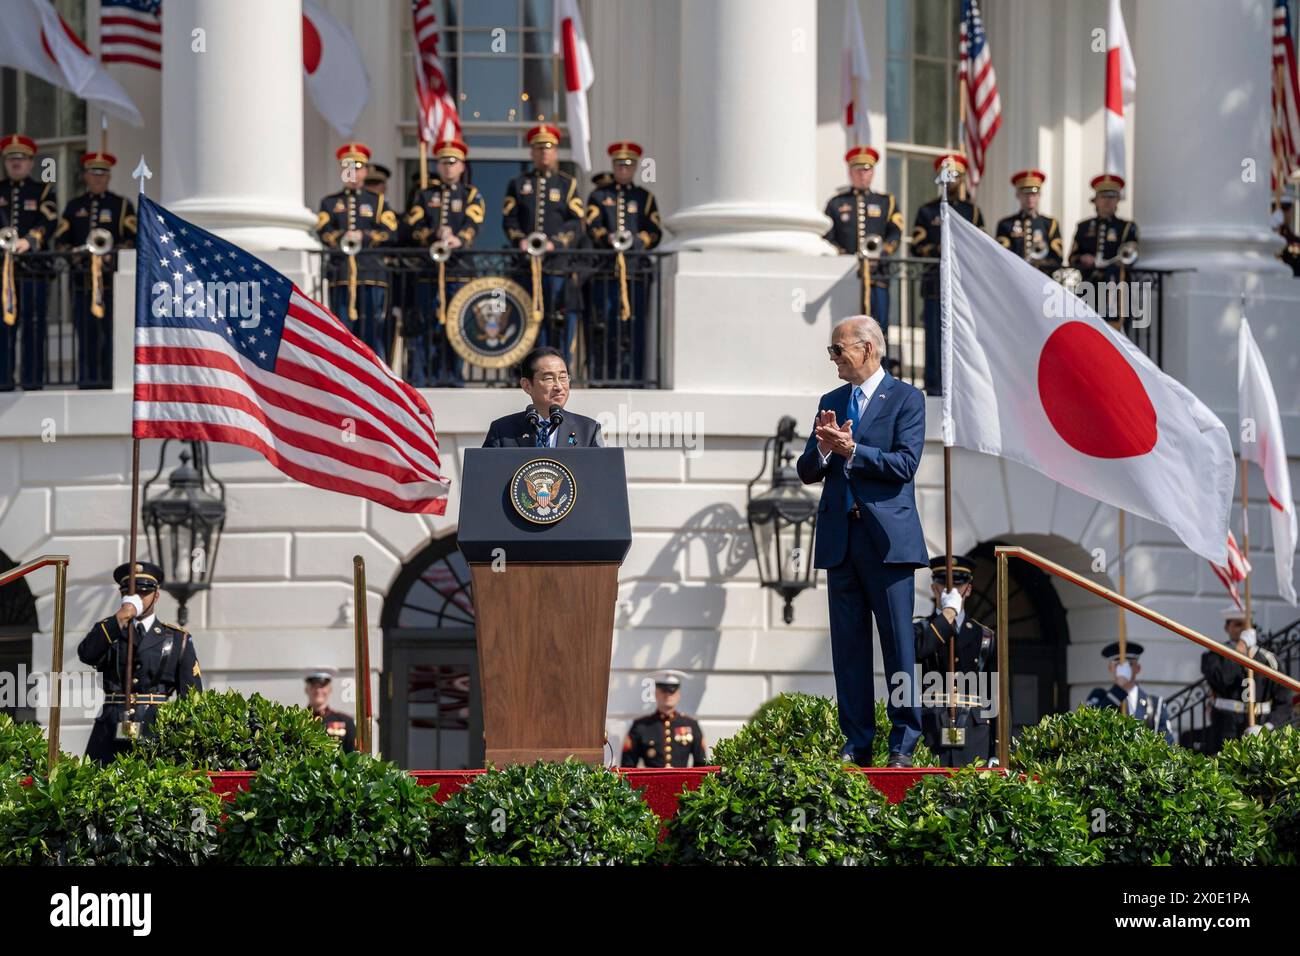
55 340
1190 708
912 290
608 322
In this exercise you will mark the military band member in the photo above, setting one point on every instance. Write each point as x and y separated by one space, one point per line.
857 213
926 241
450 211
341 728
1228 680
1099 242
96 208
358 293
621 206
30 208
974 663
545 200
667 737
163 662
1034 237
1126 693
377 177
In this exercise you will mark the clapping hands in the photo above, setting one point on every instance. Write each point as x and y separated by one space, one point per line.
833 438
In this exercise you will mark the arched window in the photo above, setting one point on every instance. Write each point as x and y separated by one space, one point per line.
432 592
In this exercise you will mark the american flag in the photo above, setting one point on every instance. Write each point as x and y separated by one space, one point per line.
1236 571
438 117
1286 98
975 74
229 350
130 31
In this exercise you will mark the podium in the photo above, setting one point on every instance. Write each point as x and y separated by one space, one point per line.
544 531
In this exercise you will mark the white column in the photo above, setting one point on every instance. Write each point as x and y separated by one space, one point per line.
232 120
748 109
1203 103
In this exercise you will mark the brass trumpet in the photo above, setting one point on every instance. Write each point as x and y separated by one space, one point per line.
99 242
440 251
1125 255
349 245
1068 277
9 239
621 240
870 249
535 243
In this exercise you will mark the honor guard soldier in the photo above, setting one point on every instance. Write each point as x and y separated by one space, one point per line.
443 218
97 219
1290 252
948 647
622 216
341 728
868 225
1233 687
542 211
926 239
28 215
163 662
1126 693
1105 245
350 220
666 738
1034 237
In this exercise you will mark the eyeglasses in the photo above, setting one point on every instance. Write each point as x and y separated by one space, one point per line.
838 350
550 378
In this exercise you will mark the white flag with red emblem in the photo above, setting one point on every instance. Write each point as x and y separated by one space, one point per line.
36 40
1034 375
579 74
336 75
855 73
1262 442
1121 87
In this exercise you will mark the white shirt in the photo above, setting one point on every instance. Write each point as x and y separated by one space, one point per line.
145 622
868 390
1133 699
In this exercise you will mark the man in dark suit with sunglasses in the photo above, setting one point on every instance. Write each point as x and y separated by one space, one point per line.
864 450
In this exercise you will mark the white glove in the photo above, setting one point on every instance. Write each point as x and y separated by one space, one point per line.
1256 729
134 601
1124 671
1249 637
950 599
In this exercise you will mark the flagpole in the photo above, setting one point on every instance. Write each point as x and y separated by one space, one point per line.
945 371
1245 554
1123 617
424 164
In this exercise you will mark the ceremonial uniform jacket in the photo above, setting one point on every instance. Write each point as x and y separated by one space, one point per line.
974 653
927 235
1227 680
858 213
664 740
86 212
1018 232
366 211
340 727
543 202
164 662
1150 708
30 207
1290 253
458 206
612 207
1109 235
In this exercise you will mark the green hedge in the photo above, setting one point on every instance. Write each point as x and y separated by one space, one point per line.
1266 766
330 809
1146 802
797 725
132 812
987 818
547 814
228 731
779 811
24 750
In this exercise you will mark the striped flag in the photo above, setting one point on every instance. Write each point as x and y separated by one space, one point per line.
229 350
438 117
1121 87
571 43
1235 571
1286 99
130 31
855 74
975 74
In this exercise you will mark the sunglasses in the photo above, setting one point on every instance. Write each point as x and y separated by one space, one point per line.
838 350
668 688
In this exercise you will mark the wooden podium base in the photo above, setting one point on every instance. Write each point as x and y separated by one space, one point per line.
545 635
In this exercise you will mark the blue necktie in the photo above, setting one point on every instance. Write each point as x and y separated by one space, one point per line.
543 434
855 416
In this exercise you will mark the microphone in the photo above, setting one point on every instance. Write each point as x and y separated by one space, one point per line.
530 414
557 417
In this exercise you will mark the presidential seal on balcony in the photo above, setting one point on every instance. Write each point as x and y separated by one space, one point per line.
543 491
491 322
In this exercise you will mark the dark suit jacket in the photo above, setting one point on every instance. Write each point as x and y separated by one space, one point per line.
890 437
513 431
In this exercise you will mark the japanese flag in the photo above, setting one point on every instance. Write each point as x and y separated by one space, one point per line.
336 76
571 43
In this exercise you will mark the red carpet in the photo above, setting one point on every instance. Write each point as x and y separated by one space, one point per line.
659 788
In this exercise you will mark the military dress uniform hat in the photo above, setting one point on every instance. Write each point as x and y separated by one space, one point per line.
862 156
15 143
1233 613
1029 180
353 153
148 577
956 160
1107 184
322 675
450 149
669 680
624 151
98 160
1132 650
543 135
963 569
379 172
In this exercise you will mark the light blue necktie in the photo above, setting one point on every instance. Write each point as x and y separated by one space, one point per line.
855 416
543 434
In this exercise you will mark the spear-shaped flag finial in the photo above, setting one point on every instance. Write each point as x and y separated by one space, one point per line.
142 172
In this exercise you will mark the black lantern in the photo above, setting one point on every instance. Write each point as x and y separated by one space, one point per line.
783 520
183 524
